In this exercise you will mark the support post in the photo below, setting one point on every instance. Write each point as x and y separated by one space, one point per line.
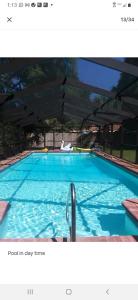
53 140
3 140
104 142
137 144
99 134
44 138
122 142
111 140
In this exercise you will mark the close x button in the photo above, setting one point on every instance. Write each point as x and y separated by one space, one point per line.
9 19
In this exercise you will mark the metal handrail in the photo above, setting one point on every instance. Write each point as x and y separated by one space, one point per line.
72 226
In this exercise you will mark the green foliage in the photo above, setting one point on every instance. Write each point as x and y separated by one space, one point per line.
12 139
56 125
49 69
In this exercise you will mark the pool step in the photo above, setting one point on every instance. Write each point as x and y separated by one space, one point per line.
4 205
131 205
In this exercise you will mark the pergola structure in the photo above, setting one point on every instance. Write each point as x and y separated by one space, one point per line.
65 95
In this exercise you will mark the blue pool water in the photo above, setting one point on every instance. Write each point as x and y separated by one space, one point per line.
38 186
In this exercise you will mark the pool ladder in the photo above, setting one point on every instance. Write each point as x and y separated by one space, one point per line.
71 223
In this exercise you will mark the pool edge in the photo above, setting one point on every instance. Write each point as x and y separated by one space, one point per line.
79 239
119 162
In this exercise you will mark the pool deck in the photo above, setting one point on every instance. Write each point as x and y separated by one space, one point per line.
4 205
131 205
5 163
118 161
79 239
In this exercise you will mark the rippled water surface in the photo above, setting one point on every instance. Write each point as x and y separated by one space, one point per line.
38 186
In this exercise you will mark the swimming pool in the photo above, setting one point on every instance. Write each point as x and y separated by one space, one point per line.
38 186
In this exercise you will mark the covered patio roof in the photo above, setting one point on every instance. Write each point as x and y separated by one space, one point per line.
100 91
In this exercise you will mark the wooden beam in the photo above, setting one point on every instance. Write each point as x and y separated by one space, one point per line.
72 116
115 65
81 109
82 102
129 100
74 112
91 89
84 112
35 118
102 92
111 118
120 113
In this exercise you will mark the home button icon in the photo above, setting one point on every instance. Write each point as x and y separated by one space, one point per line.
68 292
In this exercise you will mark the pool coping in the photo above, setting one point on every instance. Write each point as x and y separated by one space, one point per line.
4 206
129 166
127 203
6 163
131 205
78 239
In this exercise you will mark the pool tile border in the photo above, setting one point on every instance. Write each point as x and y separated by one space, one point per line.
79 239
4 164
131 205
118 161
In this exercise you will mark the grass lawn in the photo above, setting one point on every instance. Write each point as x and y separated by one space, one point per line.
129 155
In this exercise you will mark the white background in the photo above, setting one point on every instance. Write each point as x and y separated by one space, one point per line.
79 263
69 44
